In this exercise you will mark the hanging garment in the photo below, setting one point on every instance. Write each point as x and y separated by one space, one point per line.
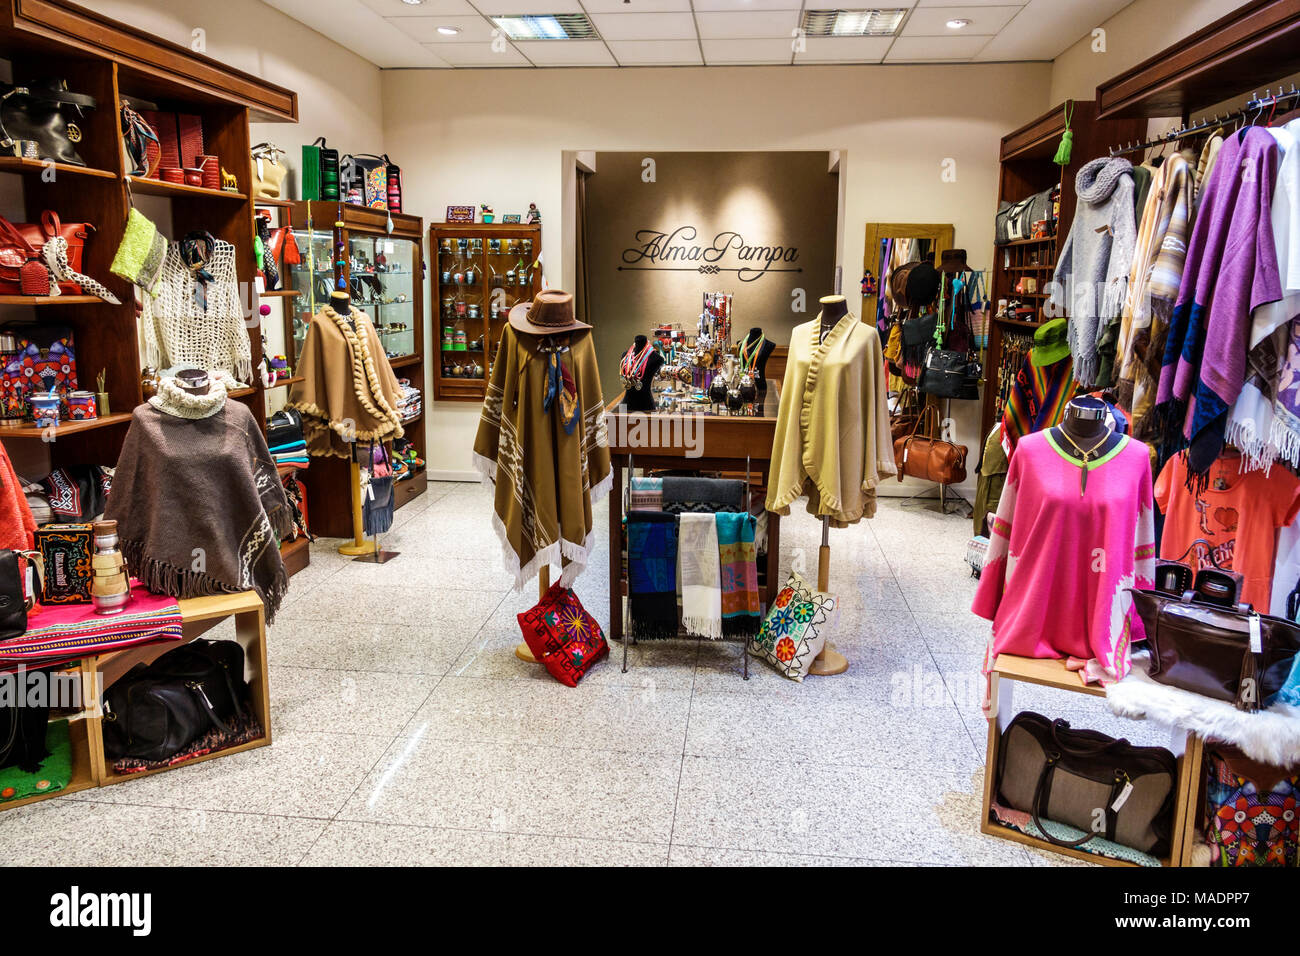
1037 399
698 572
1091 278
547 478
194 318
832 438
992 478
652 574
737 558
1060 563
1263 423
1238 513
1153 288
1231 270
349 392
1205 163
17 526
198 505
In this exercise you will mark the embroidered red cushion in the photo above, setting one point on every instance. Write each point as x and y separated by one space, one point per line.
562 635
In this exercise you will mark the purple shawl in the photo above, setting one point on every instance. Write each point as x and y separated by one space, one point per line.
1231 270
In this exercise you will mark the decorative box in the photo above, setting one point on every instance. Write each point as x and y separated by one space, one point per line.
66 552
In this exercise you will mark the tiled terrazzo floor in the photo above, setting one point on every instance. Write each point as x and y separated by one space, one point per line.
406 732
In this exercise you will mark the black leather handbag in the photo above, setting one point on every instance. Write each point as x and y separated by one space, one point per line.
284 428
156 710
13 599
44 113
1087 780
950 374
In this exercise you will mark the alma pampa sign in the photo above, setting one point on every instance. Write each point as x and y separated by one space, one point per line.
677 251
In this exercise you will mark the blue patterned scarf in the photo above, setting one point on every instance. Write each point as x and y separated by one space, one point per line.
652 574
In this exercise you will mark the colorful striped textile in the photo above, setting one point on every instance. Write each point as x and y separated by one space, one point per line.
1037 399
738 559
72 631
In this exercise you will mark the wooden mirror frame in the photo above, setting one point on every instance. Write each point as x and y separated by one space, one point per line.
942 233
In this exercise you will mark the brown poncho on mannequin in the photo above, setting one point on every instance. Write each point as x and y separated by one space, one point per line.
197 501
546 480
349 390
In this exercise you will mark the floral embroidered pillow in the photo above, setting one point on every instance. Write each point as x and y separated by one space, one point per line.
562 635
794 631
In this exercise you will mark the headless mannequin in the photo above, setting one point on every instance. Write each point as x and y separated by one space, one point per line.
760 366
834 308
341 302
641 399
195 381
1084 434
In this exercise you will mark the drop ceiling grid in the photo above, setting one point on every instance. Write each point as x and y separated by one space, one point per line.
725 32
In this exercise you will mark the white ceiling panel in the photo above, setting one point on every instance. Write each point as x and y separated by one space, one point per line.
844 50
656 52
740 6
566 52
747 51
636 6
933 21
769 24
396 8
1045 28
496 8
480 54
473 29
977 3
934 49
645 26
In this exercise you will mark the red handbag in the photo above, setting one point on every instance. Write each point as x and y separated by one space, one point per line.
24 242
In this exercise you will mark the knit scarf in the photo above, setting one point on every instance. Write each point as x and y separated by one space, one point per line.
199 507
697 565
738 560
652 574
702 494
176 401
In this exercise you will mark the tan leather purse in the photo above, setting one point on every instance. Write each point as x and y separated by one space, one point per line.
931 459
268 171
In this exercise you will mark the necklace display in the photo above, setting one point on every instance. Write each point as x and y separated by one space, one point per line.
749 356
634 364
1086 457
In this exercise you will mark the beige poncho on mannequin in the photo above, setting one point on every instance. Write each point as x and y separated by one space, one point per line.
349 389
832 438
546 479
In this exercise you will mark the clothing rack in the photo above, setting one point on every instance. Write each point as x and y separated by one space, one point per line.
1252 111
627 631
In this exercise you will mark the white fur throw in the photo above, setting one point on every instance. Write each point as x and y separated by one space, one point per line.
1271 736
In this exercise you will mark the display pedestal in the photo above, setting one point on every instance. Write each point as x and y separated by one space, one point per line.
830 661
543 585
359 544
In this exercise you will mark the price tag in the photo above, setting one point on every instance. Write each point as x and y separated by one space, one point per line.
1123 796
1256 635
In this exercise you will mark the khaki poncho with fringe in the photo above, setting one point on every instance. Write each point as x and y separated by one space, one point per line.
198 504
547 481
349 389
832 439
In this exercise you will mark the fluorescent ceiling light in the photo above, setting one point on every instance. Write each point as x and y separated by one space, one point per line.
546 26
852 23
958 23
449 31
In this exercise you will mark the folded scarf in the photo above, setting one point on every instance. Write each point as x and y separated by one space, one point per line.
697 565
1037 400
647 495
737 558
1230 270
652 574
703 494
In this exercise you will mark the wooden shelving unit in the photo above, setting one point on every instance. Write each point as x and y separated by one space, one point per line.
453 301
110 61
1027 168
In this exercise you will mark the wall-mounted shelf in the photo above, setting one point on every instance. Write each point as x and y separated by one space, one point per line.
63 428
14 164
50 300
156 187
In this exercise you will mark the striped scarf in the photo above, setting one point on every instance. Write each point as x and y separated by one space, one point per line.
1037 399
737 557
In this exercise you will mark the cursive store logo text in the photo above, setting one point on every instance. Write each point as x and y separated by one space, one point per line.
677 251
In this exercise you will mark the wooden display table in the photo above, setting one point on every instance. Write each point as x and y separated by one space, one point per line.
199 615
1052 673
719 442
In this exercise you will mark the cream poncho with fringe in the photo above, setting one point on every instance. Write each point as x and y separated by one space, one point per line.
832 439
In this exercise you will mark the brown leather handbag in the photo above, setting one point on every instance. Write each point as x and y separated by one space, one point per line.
1087 780
906 414
1207 648
932 459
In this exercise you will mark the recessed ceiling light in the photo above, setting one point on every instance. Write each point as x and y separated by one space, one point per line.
546 26
449 31
958 23
852 23
413 3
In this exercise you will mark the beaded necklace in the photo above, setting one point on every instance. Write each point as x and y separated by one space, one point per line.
748 356
634 364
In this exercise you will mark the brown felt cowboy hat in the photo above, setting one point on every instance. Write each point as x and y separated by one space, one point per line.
549 314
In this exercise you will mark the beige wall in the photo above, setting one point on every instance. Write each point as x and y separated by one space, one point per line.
497 136
1137 32
338 92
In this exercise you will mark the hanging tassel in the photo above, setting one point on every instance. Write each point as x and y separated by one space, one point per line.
1062 157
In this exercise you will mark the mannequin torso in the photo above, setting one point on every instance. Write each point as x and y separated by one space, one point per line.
1084 435
756 349
639 368
834 308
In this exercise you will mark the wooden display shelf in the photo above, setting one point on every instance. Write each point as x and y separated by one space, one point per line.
278 294
404 360
1007 670
15 164
156 187
63 428
50 300
282 383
